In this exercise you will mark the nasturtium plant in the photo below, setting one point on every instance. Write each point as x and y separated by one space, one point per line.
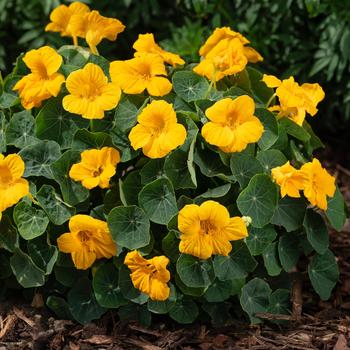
158 186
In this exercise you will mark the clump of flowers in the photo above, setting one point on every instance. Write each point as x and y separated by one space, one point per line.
155 186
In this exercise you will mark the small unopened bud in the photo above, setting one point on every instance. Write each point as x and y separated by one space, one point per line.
247 220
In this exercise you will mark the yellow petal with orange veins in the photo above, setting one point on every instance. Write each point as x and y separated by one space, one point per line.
159 291
271 81
12 194
139 136
244 106
15 165
196 245
219 111
83 258
174 137
158 86
236 229
188 219
216 134
252 55
216 213
68 243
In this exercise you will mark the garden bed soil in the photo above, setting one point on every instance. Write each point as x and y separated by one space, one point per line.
321 325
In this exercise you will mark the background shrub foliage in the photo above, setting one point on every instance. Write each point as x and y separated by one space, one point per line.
287 239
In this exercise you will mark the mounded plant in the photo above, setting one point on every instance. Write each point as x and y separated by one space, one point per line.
155 186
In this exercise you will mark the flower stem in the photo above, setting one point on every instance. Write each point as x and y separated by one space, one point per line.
75 41
270 100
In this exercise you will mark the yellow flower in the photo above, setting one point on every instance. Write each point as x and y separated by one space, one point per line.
208 229
94 28
157 131
60 18
96 168
143 72
223 33
290 180
89 239
295 100
90 93
150 276
232 124
43 81
318 184
146 44
12 186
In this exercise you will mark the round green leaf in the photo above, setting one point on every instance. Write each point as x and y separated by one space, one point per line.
158 200
130 188
9 235
336 210
129 227
270 256
218 291
152 170
84 139
270 134
31 222
259 238
258 200
59 306
184 311
270 159
288 250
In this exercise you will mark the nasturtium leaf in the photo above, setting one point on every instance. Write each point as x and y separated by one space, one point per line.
43 253
236 265
106 288
270 159
8 234
190 86
193 272
279 302
260 90
9 97
255 298
82 302
100 61
27 273
242 81
282 141
258 200
121 142
218 291
288 250
314 142
130 188
3 125
5 270
294 130
216 192
185 311
68 275
152 170
335 212
74 55
20 130
59 306
84 139
73 192
260 238
30 222
270 134
316 231
170 245
324 273
234 92
271 262
218 312
138 313
290 213
194 292
111 199
163 307
244 166
129 227
55 123
39 157
55 208
158 200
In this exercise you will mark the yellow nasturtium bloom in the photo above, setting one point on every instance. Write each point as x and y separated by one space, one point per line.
89 239
43 82
318 183
295 100
150 276
226 58
94 28
232 124
223 33
208 229
60 18
12 186
144 72
157 131
290 180
96 168
90 92
146 44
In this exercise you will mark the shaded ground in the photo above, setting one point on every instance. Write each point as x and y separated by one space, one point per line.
322 325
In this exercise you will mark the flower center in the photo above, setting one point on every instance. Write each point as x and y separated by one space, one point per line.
232 120
84 236
207 227
5 176
97 172
145 71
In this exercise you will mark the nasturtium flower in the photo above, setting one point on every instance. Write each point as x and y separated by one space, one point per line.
290 180
146 44
208 229
318 183
12 186
89 239
150 276
157 131
94 28
226 58
144 72
295 100
223 33
232 124
60 18
96 167
90 92
43 82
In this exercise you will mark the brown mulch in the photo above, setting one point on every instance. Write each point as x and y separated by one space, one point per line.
322 325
